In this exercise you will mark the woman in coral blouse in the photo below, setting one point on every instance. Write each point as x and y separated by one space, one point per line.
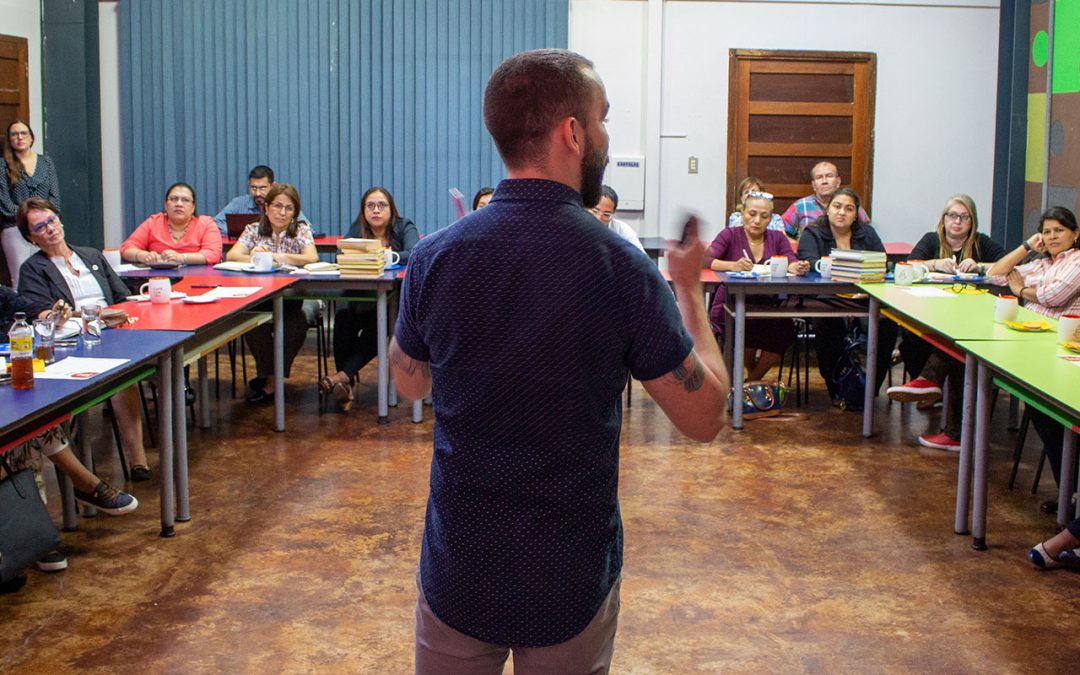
176 234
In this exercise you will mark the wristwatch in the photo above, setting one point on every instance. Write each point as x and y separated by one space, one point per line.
1027 246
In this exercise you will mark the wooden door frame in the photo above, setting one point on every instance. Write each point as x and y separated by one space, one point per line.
865 81
22 45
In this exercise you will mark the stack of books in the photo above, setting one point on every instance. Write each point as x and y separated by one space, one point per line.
858 265
360 258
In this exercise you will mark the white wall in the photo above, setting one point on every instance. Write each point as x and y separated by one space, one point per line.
109 68
935 109
22 18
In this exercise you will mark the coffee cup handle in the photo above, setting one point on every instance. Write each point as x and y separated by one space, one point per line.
395 257
144 289
817 266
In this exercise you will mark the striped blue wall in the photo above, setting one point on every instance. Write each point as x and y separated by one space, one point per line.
335 95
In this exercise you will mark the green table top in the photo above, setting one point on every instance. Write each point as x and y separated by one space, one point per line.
1035 365
954 316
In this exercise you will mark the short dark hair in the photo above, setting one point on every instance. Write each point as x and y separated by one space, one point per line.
194 199
32 204
261 171
609 192
529 94
480 193
1060 214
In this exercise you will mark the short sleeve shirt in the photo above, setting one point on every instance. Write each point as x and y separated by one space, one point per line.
277 244
530 313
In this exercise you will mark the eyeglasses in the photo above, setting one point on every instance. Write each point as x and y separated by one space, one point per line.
283 207
376 206
18 134
259 189
961 217
179 199
49 223
967 289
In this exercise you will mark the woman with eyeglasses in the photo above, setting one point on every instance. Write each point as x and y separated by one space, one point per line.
1048 284
79 276
355 338
176 234
956 245
841 228
290 242
25 174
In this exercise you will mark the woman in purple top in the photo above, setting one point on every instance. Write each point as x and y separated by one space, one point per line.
738 249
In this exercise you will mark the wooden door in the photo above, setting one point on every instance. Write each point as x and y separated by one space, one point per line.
14 80
789 110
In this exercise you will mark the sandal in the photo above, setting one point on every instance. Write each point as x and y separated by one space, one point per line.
326 385
343 394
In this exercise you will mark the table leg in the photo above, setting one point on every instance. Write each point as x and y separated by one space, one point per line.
729 333
69 487
165 443
738 356
1065 490
180 448
384 367
67 504
871 367
417 412
982 441
279 364
967 434
204 394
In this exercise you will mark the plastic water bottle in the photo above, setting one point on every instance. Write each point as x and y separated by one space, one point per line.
21 337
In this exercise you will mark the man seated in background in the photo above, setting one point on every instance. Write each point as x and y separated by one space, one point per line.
824 180
605 213
260 180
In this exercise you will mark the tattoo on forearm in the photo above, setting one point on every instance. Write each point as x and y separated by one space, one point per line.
690 373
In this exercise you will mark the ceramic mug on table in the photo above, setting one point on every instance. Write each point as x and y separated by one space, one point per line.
262 261
778 266
1069 328
392 257
919 270
903 275
158 288
824 267
1005 308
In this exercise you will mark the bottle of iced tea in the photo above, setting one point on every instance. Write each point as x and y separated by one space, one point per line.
21 337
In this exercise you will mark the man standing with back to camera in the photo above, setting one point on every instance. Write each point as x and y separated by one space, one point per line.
523 320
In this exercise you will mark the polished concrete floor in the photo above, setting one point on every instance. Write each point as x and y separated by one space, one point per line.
794 545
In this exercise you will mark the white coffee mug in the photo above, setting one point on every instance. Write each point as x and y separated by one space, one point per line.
1005 308
903 275
1069 328
824 267
919 270
392 257
778 266
112 256
262 261
158 288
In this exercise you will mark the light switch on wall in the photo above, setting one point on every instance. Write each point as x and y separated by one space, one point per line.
692 165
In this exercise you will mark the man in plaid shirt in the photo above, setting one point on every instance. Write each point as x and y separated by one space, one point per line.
825 180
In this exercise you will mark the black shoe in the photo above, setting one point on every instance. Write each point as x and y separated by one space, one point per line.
257 383
1051 506
140 473
53 561
259 397
13 585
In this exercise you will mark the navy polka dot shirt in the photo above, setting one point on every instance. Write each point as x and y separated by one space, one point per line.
530 313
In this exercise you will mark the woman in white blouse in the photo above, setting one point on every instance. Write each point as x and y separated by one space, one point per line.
79 276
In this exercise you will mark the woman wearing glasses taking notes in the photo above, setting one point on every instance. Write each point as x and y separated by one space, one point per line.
291 243
79 276
355 338
1048 285
176 234
25 174
955 246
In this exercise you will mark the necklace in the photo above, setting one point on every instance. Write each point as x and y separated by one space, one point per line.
177 236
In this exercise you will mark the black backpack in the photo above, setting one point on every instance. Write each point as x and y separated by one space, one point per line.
849 376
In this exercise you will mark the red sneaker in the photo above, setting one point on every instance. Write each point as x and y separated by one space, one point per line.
919 389
940 441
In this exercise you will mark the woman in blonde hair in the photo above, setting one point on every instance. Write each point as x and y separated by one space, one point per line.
956 245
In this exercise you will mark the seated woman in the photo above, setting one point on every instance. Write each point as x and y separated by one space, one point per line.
291 243
955 246
482 197
748 185
1048 285
79 276
737 249
355 330
839 228
176 234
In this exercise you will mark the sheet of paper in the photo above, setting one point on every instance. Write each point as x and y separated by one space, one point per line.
126 267
929 292
233 291
231 266
1071 358
78 368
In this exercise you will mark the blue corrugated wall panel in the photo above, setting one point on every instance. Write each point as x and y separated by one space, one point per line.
335 95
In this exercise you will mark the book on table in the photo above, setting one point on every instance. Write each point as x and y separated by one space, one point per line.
849 265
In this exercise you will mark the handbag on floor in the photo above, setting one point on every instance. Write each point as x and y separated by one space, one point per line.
26 531
849 377
762 399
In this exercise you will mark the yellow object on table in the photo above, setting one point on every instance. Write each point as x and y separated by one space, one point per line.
1030 326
